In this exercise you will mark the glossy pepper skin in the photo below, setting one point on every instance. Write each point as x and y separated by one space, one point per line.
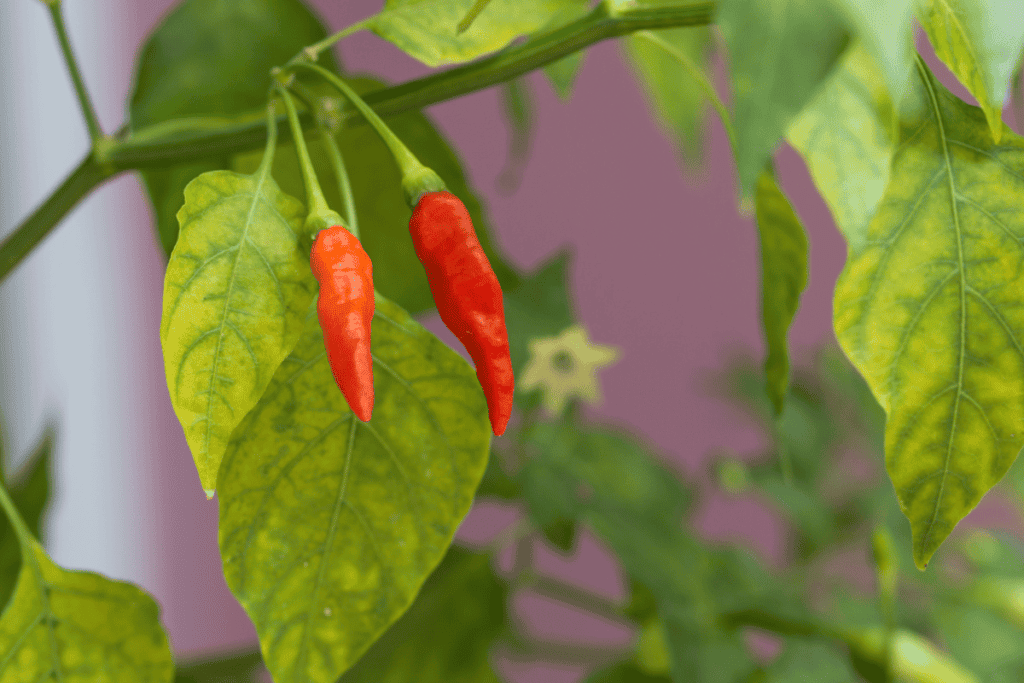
467 294
345 310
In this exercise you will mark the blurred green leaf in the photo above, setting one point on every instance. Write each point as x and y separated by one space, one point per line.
783 278
446 635
676 97
805 660
212 58
540 306
78 626
428 29
781 52
624 672
518 105
380 204
981 42
30 491
927 310
236 292
328 525
563 72
496 483
886 29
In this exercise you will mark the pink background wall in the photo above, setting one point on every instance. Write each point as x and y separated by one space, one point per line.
664 268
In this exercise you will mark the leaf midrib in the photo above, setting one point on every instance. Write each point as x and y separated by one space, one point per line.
958 230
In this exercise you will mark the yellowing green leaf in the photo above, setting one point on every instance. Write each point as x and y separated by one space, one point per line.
79 627
328 525
928 309
235 296
980 41
446 635
844 137
428 29
783 278
781 51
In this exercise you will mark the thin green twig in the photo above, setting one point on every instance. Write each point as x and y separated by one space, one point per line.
88 111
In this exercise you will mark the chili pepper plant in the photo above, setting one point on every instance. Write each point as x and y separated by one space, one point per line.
309 215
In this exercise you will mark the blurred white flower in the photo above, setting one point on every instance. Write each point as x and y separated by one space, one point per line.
566 366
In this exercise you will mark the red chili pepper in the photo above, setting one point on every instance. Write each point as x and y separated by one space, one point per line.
345 310
467 294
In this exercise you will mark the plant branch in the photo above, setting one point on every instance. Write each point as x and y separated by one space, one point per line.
523 649
37 226
149 151
227 667
88 111
575 597
515 61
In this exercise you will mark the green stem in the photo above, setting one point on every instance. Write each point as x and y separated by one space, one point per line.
348 200
45 218
312 53
515 61
573 596
471 15
88 112
127 153
25 537
226 666
314 195
699 76
416 178
268 151
784 625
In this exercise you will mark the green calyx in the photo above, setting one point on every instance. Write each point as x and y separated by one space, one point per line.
420 182
321 220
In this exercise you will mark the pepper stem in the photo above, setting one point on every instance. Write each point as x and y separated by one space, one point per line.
348 202
417 179
320 215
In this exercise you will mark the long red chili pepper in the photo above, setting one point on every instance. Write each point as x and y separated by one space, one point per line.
467 294
345 310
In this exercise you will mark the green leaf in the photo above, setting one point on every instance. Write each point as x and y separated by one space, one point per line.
980 640
328 525
517 101
427 30
30 492
885 27
783 278
212 58
844 137
635 505
538 307
676 97
235 295
625 672
980 41
381 206
805 660
781 51
446 635
79 626
563 72
927 308
496 483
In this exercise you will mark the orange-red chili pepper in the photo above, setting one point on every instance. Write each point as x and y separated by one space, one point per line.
467 294
345 311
